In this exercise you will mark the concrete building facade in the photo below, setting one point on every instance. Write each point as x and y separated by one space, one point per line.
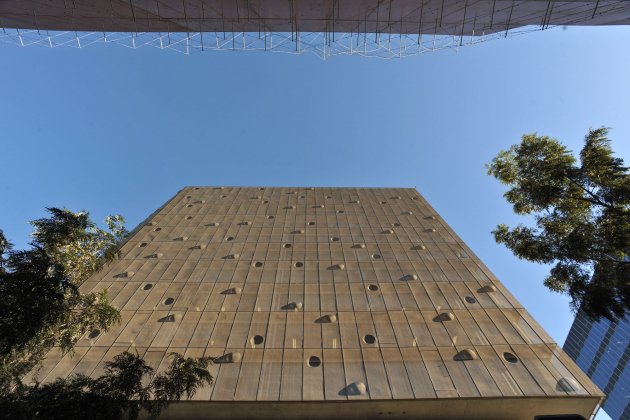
602 350
326 302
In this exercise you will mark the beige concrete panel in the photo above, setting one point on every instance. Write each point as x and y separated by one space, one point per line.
280 296
186 329
276 330
557 369
438 373
355 372
328 301
227 379
500 374
436 296
378 386
540 332
524 379
313 330
406 297
460 376
89 361
390 297
343 297
421 296
167 329
270 375
472 330
437 329
421 334
457 333
249 375
538 369
313 377
334 378
124 295
404 334
200 299
522 326
384 331
359 298
183 301
66 365
132 328
508 331
294 334
240 328
574 370
203 330
222 330
109 356
397 374
348 330
492 333
292 383
454 299
264 297
417 373
106 338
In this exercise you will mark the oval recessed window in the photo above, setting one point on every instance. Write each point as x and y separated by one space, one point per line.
257 339
376 256
94 333
373 287
261 189
383 202
302 196
298 264
311 223
340 211
169 301
188 217
334 239
329 197
369 339
189 205
314 361
229 238
266 202
157 229
143 244
286 246
509 357
471 299
148 286
258 264
271 217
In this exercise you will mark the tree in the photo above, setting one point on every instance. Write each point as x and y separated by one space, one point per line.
119 393
582 215
40 293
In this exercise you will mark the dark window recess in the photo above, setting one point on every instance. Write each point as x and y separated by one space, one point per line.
314 361
169 301
369 339
509 357
298 264
373 287
257 339
148 286
258 264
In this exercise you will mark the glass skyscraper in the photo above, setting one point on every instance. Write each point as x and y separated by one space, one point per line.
602 350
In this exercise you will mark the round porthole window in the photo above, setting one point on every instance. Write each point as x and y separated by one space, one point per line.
257 339
188 217
286 246
298 264
94 333
142 244
266 202
376 256
157 229
334 239
369 339
229 238
311 223
373 287
189 205
169 301
314 361
271 217
258 264
471 299
510 358
340 211
147 286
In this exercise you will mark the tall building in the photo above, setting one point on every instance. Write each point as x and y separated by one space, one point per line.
602 350
364 27
326 302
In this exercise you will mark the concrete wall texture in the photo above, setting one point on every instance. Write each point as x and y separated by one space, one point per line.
321 301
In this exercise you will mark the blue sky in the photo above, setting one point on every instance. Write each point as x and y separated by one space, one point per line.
114 130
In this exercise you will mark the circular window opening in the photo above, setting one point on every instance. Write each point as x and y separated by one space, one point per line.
261 189
271 217
257 339
258 264
314 361
311 223
229 238
286 246
266 202
169 301
148 286
369 339
510 358
329 197
340 211
376 256
142 244
188 217
383 202
373 287
471 299
157 229
302 196
298 265
334 239
94 334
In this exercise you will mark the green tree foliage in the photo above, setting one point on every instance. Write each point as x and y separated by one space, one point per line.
39 289
582 215
121 392
42 307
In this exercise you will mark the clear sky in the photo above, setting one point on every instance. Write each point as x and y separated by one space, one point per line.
113 130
